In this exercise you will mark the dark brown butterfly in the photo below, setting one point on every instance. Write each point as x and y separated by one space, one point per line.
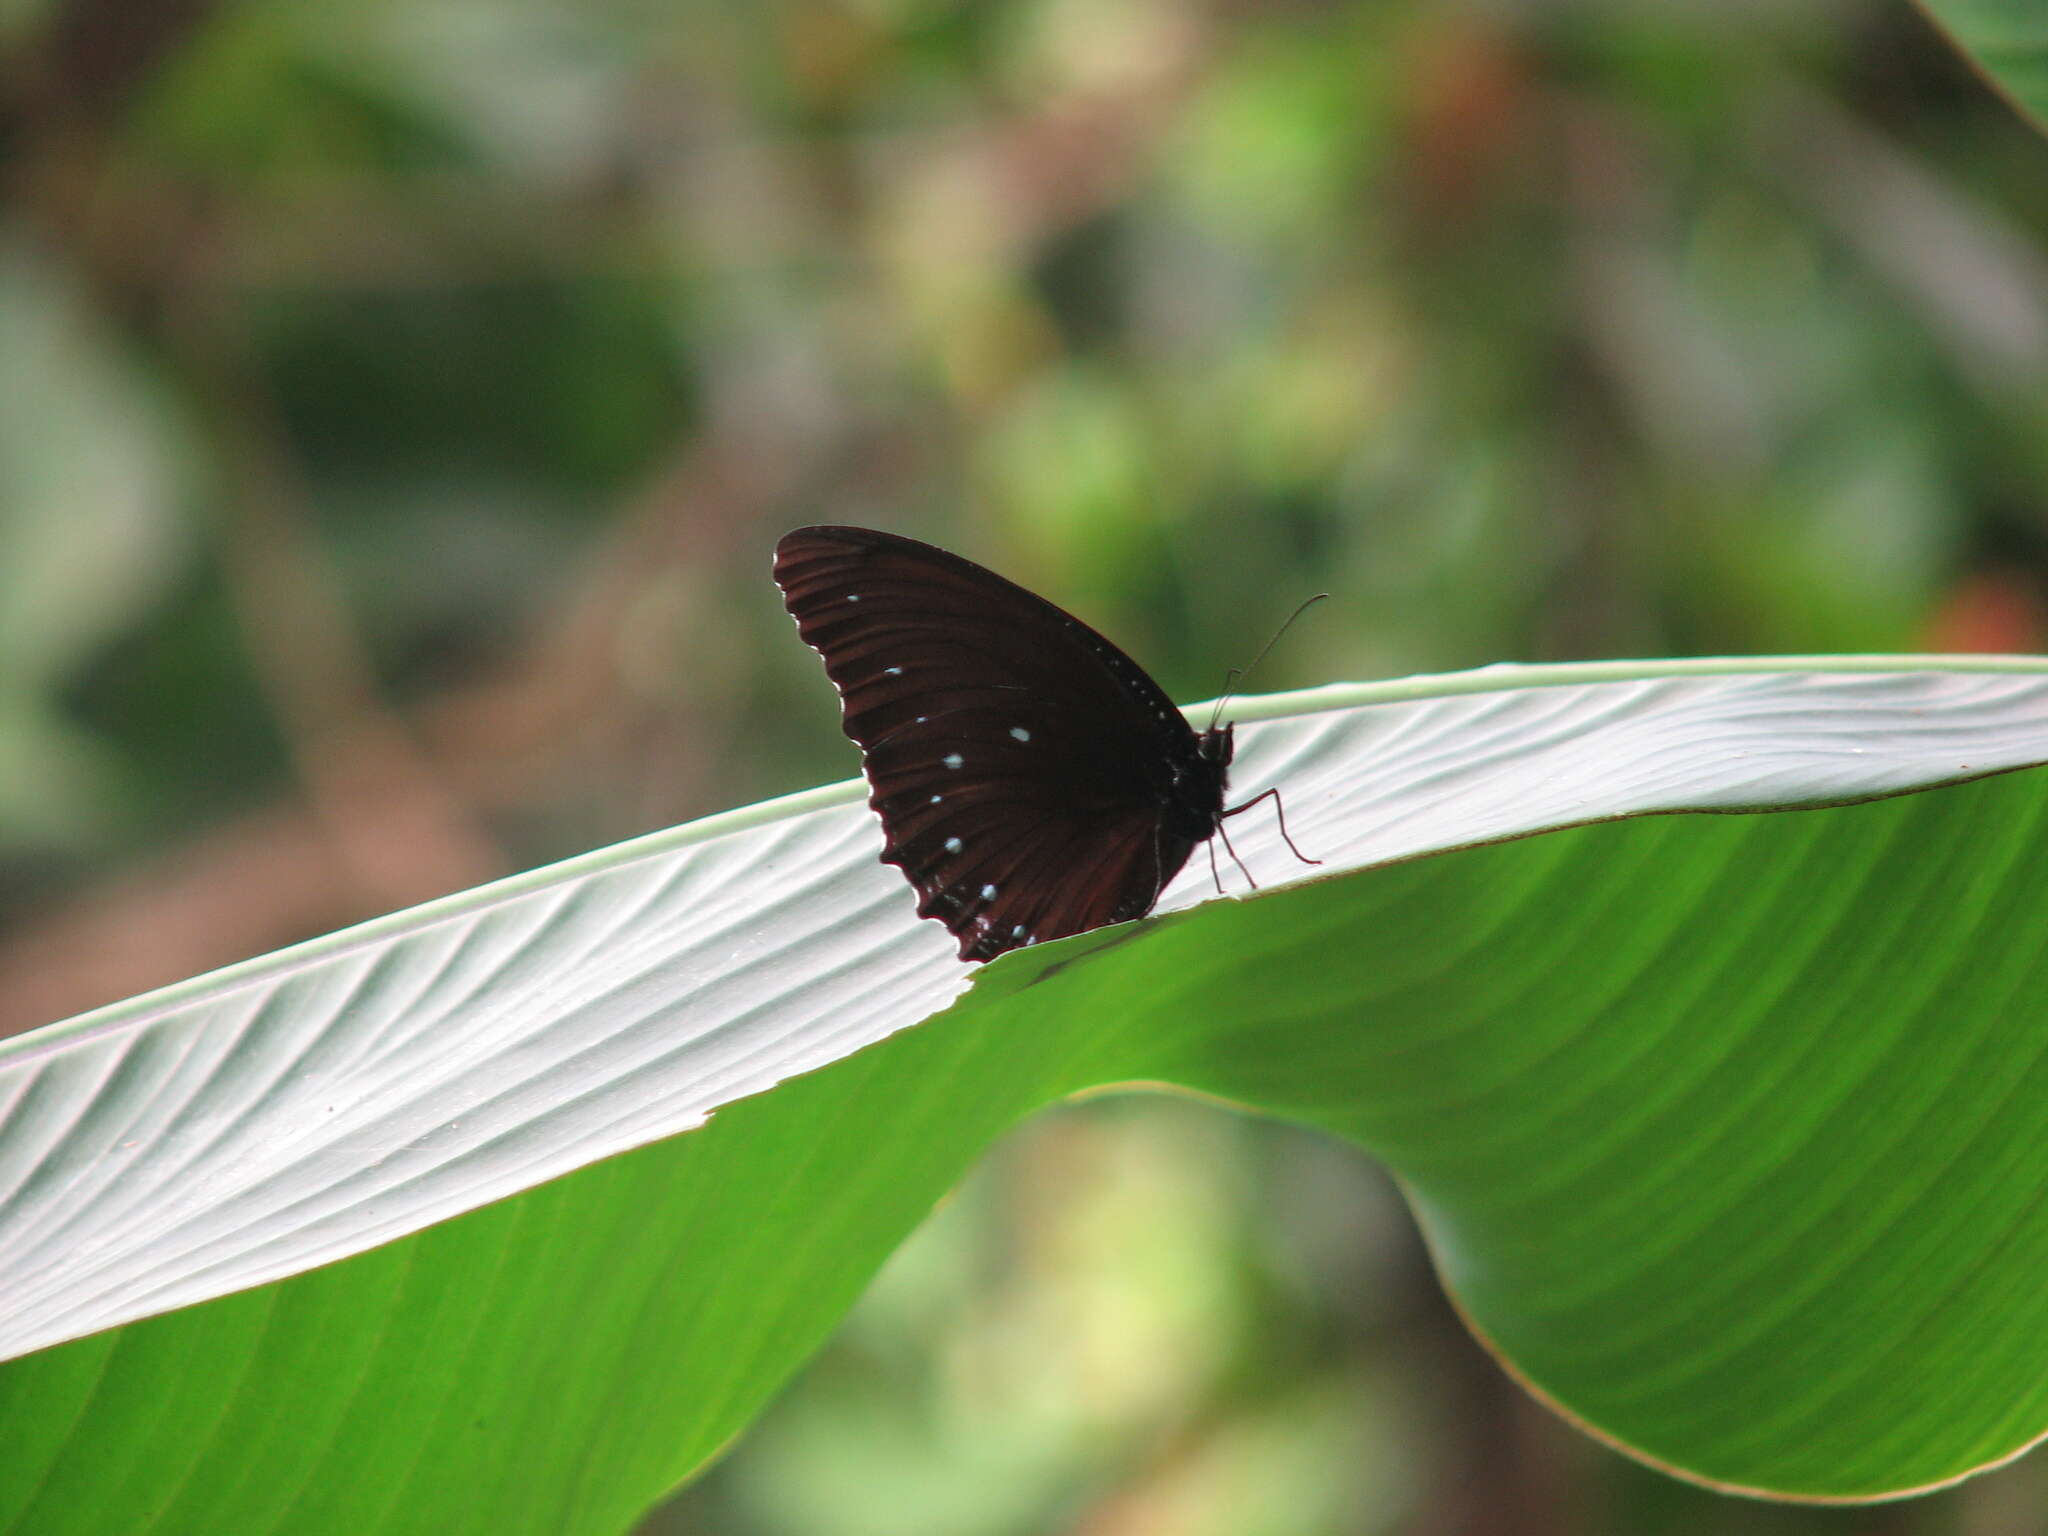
1032 781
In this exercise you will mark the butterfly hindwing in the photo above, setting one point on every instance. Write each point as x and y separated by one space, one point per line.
1031 780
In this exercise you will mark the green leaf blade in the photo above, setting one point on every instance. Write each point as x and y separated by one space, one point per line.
1723 1126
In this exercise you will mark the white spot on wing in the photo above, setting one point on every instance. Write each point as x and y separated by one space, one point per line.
937 798
853 597
954 845
952 759
892 671
988 893
1020 733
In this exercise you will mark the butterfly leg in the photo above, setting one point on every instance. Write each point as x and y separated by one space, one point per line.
1280 811
1233 854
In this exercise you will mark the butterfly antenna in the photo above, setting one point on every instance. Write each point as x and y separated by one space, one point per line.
1238 675
1229 687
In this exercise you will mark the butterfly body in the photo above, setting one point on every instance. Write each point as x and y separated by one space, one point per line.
1032 781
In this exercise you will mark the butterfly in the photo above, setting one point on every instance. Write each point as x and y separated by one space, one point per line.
1032 781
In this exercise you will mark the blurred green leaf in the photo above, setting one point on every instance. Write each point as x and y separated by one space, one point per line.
2003 38
91 533
90 475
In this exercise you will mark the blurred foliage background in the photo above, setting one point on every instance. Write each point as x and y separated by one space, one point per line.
398 402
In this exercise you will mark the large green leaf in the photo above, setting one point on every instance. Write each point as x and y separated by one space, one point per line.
1722 1127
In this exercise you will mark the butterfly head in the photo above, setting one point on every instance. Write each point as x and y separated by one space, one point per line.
1218 744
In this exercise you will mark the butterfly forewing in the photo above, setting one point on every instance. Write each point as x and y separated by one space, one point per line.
1031 780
